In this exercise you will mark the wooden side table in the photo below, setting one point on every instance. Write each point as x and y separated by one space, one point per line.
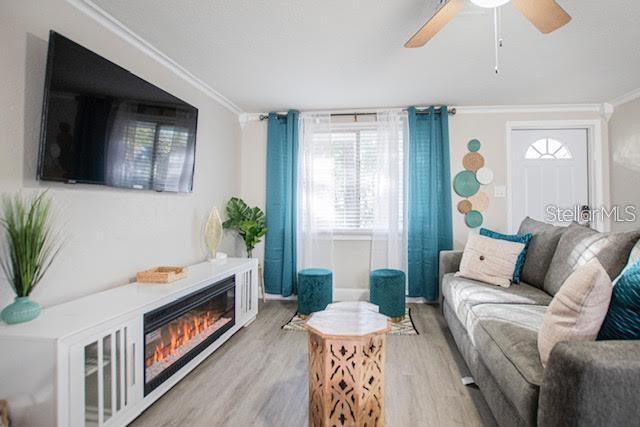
346 368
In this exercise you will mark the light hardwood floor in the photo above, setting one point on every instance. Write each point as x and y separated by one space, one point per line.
259 378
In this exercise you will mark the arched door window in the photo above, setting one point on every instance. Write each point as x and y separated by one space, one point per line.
548 149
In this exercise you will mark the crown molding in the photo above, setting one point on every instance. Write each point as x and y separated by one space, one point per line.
627 97
109 22
535 108
606 110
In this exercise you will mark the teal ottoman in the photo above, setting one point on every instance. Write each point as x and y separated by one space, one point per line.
315 290
386 290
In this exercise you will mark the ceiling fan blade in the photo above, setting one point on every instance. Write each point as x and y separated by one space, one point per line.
545 15
443 15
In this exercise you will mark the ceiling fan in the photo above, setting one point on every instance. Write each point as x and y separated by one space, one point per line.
545 15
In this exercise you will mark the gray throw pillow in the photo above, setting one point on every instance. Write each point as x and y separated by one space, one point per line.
579 244
541 248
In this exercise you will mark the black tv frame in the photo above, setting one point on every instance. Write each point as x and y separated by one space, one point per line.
44 123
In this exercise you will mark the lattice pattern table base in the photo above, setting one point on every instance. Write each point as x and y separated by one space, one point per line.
346 380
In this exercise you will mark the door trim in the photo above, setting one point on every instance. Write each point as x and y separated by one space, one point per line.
597 153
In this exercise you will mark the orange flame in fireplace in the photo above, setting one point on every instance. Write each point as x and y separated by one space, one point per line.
179 334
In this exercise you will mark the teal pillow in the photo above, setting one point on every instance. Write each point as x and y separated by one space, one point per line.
623 318
518 238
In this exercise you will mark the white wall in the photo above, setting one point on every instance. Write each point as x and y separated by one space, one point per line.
110 234
490 129
352 258
624 130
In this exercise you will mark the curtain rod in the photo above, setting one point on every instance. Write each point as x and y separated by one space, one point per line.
451 111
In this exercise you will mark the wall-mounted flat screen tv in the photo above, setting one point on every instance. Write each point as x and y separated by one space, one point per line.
103 125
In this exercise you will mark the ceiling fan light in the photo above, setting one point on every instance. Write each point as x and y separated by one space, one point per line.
489 3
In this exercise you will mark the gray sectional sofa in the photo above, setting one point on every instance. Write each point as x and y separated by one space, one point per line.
496 330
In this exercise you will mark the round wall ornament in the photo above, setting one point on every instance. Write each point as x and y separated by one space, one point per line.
473 161
484 176
465 184
464 206
479 201
473 219
474 145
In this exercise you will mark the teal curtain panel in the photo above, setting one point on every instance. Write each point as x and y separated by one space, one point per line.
280 241
429 205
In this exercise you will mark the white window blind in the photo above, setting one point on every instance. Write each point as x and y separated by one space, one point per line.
354 162
154 154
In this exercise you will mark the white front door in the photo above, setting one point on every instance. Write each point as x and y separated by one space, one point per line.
549 170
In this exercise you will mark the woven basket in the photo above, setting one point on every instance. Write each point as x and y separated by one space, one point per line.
161 275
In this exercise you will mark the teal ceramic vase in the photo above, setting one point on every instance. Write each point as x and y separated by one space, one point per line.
21 310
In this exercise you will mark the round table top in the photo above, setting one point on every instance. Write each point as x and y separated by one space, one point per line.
348 323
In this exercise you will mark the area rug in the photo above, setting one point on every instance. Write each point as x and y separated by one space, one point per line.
405 327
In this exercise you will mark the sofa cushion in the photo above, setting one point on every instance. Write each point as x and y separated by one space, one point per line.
462 294
577 311
502 409
623 316
542 246
490 260
505 336
519 238
578 245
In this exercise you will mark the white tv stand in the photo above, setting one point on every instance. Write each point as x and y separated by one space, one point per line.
43 371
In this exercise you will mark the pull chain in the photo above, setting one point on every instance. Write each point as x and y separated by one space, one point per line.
497 38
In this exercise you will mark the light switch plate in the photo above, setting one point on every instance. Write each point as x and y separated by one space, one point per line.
500 191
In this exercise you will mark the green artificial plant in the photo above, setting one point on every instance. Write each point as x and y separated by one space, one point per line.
30 246
249 222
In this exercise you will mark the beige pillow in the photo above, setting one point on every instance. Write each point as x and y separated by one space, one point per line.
578 309
489 260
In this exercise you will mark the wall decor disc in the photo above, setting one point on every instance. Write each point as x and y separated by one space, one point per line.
484 176
473 219
474 145
479 201
464 206
473 161
465 184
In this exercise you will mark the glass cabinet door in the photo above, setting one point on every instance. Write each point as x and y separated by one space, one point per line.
105 376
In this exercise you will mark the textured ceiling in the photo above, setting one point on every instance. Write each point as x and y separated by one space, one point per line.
308 54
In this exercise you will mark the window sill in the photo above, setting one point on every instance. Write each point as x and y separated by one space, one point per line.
352 235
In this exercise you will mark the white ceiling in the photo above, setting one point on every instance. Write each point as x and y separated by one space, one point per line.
319 54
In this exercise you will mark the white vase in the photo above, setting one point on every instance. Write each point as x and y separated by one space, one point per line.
213 233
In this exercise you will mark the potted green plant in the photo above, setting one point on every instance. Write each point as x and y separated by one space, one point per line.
250 223
29 249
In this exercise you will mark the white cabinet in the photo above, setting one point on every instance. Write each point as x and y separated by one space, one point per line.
105 375
81 363
247 295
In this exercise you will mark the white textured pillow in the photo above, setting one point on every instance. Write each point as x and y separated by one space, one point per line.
578 309
489 260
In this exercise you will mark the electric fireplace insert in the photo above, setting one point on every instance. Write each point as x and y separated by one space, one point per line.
177 332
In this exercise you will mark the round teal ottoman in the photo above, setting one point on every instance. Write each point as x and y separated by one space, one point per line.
315 290
386 290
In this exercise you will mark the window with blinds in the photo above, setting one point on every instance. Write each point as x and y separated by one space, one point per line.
355 159
154 153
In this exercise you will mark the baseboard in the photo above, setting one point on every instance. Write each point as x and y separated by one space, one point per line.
420 300
351 294
281 298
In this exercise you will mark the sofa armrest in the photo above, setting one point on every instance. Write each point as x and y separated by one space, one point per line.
449 263
591 384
